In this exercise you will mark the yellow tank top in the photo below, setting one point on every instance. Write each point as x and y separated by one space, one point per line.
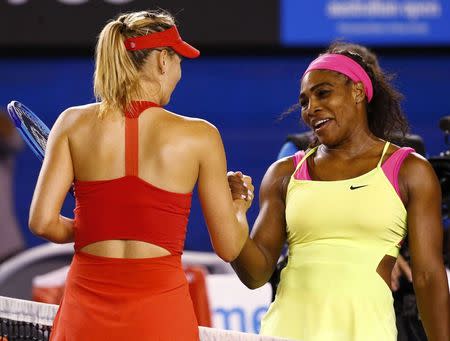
337 233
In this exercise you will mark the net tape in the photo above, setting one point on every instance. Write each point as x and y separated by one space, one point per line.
27 320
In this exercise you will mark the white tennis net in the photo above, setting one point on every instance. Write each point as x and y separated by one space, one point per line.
22 320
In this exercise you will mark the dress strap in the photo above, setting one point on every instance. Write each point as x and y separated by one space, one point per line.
386 146
131 146
132 135
311 151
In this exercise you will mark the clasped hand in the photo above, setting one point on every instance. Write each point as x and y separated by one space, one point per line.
242 189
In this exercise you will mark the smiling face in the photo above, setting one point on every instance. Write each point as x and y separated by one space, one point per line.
332 106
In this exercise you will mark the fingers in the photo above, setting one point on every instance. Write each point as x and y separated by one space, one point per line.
237 187
395 277
237 174
248 184
241 186
395 285
247 179
404 267
401 268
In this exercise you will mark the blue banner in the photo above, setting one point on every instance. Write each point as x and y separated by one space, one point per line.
372 22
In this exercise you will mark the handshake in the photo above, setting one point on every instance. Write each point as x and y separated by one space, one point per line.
241 187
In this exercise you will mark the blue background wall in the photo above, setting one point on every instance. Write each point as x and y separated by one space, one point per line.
242 96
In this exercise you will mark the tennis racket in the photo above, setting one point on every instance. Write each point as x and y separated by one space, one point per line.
31 128
33 131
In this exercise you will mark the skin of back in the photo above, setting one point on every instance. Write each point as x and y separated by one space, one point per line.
175 153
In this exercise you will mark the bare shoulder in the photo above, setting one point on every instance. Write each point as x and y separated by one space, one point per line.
195 129
414 166
415 162
282 167
193 123
417 171
72 117
278 175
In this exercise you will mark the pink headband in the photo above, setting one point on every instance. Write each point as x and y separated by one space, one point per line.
346 66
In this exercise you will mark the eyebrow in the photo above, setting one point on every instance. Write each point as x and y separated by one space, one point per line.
315 87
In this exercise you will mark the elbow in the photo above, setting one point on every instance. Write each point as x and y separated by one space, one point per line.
228 255
426 279
248 279
252 285
421 280
229 252
250 282
38 226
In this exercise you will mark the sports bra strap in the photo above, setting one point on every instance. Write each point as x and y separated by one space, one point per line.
132 135
386 146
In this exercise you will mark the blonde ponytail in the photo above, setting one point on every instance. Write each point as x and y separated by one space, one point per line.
116 69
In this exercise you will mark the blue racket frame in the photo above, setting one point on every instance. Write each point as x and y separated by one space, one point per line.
27 123
33 131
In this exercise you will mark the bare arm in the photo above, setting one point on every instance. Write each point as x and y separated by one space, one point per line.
425 243
260 254
226 221
54 181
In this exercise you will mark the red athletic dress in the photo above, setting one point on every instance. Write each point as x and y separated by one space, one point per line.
114 299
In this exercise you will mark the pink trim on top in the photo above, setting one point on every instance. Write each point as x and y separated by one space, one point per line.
302 173
391 167
298 157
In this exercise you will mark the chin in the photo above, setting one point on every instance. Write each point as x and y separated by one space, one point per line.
327 140
323 138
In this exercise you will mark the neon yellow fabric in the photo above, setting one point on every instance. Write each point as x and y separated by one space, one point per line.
338 232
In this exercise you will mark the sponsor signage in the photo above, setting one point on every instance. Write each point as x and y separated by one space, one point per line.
373 22
234 306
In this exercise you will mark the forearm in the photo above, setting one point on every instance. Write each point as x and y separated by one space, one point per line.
252 266
59 231
433 302
243 230
228 234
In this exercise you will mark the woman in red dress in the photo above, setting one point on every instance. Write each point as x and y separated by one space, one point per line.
134 166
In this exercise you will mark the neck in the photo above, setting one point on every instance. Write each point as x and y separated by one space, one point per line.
150 91
353 146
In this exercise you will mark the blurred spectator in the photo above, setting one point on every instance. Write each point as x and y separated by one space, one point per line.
11 240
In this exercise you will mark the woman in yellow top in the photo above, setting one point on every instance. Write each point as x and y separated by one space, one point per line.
344 207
